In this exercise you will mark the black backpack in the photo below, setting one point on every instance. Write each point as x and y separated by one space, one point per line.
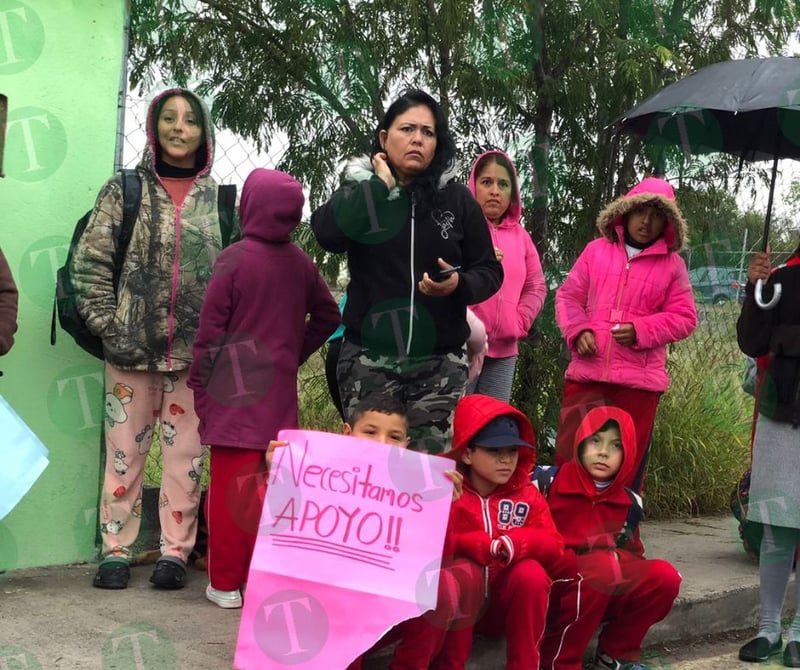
65 305
543 476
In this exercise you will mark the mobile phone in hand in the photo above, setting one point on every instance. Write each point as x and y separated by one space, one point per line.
441 275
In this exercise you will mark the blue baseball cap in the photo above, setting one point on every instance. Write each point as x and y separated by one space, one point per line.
502 431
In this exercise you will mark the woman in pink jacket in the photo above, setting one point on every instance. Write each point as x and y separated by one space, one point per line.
627 296
509 314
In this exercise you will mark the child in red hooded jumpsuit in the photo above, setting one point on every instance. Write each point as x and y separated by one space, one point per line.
604 577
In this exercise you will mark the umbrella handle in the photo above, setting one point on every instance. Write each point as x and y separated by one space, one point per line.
773 302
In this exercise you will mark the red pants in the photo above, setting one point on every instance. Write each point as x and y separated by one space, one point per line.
517 608
581 397
458 602
629 594
233 510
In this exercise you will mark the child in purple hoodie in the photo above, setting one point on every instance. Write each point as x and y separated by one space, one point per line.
266 310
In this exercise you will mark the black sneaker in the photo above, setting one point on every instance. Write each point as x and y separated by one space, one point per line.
791 655
605 662
169 573
759 649
113 573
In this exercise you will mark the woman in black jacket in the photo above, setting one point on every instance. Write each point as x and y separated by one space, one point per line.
418 252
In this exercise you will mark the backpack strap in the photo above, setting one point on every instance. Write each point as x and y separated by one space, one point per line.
542 477
635 514
226 206
636 510
131 200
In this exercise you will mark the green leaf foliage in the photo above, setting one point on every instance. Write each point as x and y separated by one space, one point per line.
544 80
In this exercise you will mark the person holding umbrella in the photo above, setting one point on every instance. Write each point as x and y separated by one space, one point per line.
774 485
745 107
626 298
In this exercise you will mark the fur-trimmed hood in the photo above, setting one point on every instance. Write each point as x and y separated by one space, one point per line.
651 190
359 168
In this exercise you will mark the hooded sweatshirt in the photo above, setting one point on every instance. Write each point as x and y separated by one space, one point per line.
391 239
151 321
773 336
509 314
515 515
650 290
266 311
589 518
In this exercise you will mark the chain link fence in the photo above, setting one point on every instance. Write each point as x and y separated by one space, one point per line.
234 159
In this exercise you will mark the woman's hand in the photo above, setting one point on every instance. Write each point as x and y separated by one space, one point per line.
759 267
382 170
624 334
498 253
439 288
585 344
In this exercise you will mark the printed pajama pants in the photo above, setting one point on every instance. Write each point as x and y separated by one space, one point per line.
135 402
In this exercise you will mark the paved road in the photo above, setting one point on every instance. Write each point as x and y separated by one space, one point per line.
716 654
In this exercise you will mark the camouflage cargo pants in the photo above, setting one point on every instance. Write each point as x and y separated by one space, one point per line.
430 387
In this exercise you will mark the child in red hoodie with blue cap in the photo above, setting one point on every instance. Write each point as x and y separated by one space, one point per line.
502 525
604 576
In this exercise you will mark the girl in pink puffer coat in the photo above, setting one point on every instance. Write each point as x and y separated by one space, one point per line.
627 296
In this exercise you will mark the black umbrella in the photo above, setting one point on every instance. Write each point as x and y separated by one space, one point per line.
749 108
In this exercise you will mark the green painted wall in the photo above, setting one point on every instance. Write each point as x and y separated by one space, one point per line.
60 66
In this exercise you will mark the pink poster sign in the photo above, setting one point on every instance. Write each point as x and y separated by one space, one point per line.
349 545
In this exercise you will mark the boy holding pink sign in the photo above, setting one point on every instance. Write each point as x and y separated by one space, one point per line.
382 418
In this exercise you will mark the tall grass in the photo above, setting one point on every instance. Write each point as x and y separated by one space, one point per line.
316 407
701 440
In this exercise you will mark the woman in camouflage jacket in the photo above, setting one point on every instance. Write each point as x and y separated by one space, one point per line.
148 325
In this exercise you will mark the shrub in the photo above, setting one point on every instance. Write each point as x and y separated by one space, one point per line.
316 407
701 439
702 433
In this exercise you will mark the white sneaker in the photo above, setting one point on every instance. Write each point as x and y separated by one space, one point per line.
229 600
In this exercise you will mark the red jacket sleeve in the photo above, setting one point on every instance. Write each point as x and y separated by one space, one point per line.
466 536
475 545
538 538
